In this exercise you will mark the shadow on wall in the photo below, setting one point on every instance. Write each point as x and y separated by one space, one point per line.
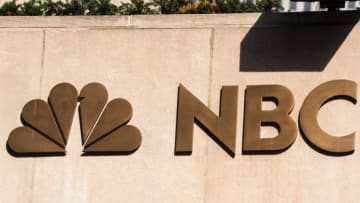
295 41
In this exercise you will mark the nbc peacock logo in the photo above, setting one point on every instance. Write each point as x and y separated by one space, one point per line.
46 125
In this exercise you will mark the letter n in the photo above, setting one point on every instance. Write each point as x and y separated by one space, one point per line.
221 128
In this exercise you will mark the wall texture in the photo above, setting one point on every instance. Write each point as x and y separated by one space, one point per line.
144 59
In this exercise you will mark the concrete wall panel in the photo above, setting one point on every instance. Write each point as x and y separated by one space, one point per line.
20 56
138 65
144 59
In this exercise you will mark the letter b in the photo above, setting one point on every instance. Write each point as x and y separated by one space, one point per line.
255 117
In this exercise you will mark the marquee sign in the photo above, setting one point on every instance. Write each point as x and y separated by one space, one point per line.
104 128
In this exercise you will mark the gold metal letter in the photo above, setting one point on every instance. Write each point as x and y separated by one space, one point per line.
336 89
279 117
222 128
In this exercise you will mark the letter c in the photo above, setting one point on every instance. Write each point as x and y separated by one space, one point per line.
335 89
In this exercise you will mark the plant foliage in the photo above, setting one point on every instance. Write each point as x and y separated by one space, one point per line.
170 6
10 8
135 7
269 5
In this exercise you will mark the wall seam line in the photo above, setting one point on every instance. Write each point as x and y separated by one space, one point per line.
211 42
42 60
40 89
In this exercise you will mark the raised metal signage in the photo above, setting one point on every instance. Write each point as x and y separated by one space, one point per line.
222 128
104 128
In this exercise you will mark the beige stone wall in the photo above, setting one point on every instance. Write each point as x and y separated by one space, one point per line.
144 59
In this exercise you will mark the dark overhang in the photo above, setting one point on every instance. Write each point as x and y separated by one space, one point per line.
332 5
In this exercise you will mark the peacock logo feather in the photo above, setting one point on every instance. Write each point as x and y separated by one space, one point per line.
46 126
